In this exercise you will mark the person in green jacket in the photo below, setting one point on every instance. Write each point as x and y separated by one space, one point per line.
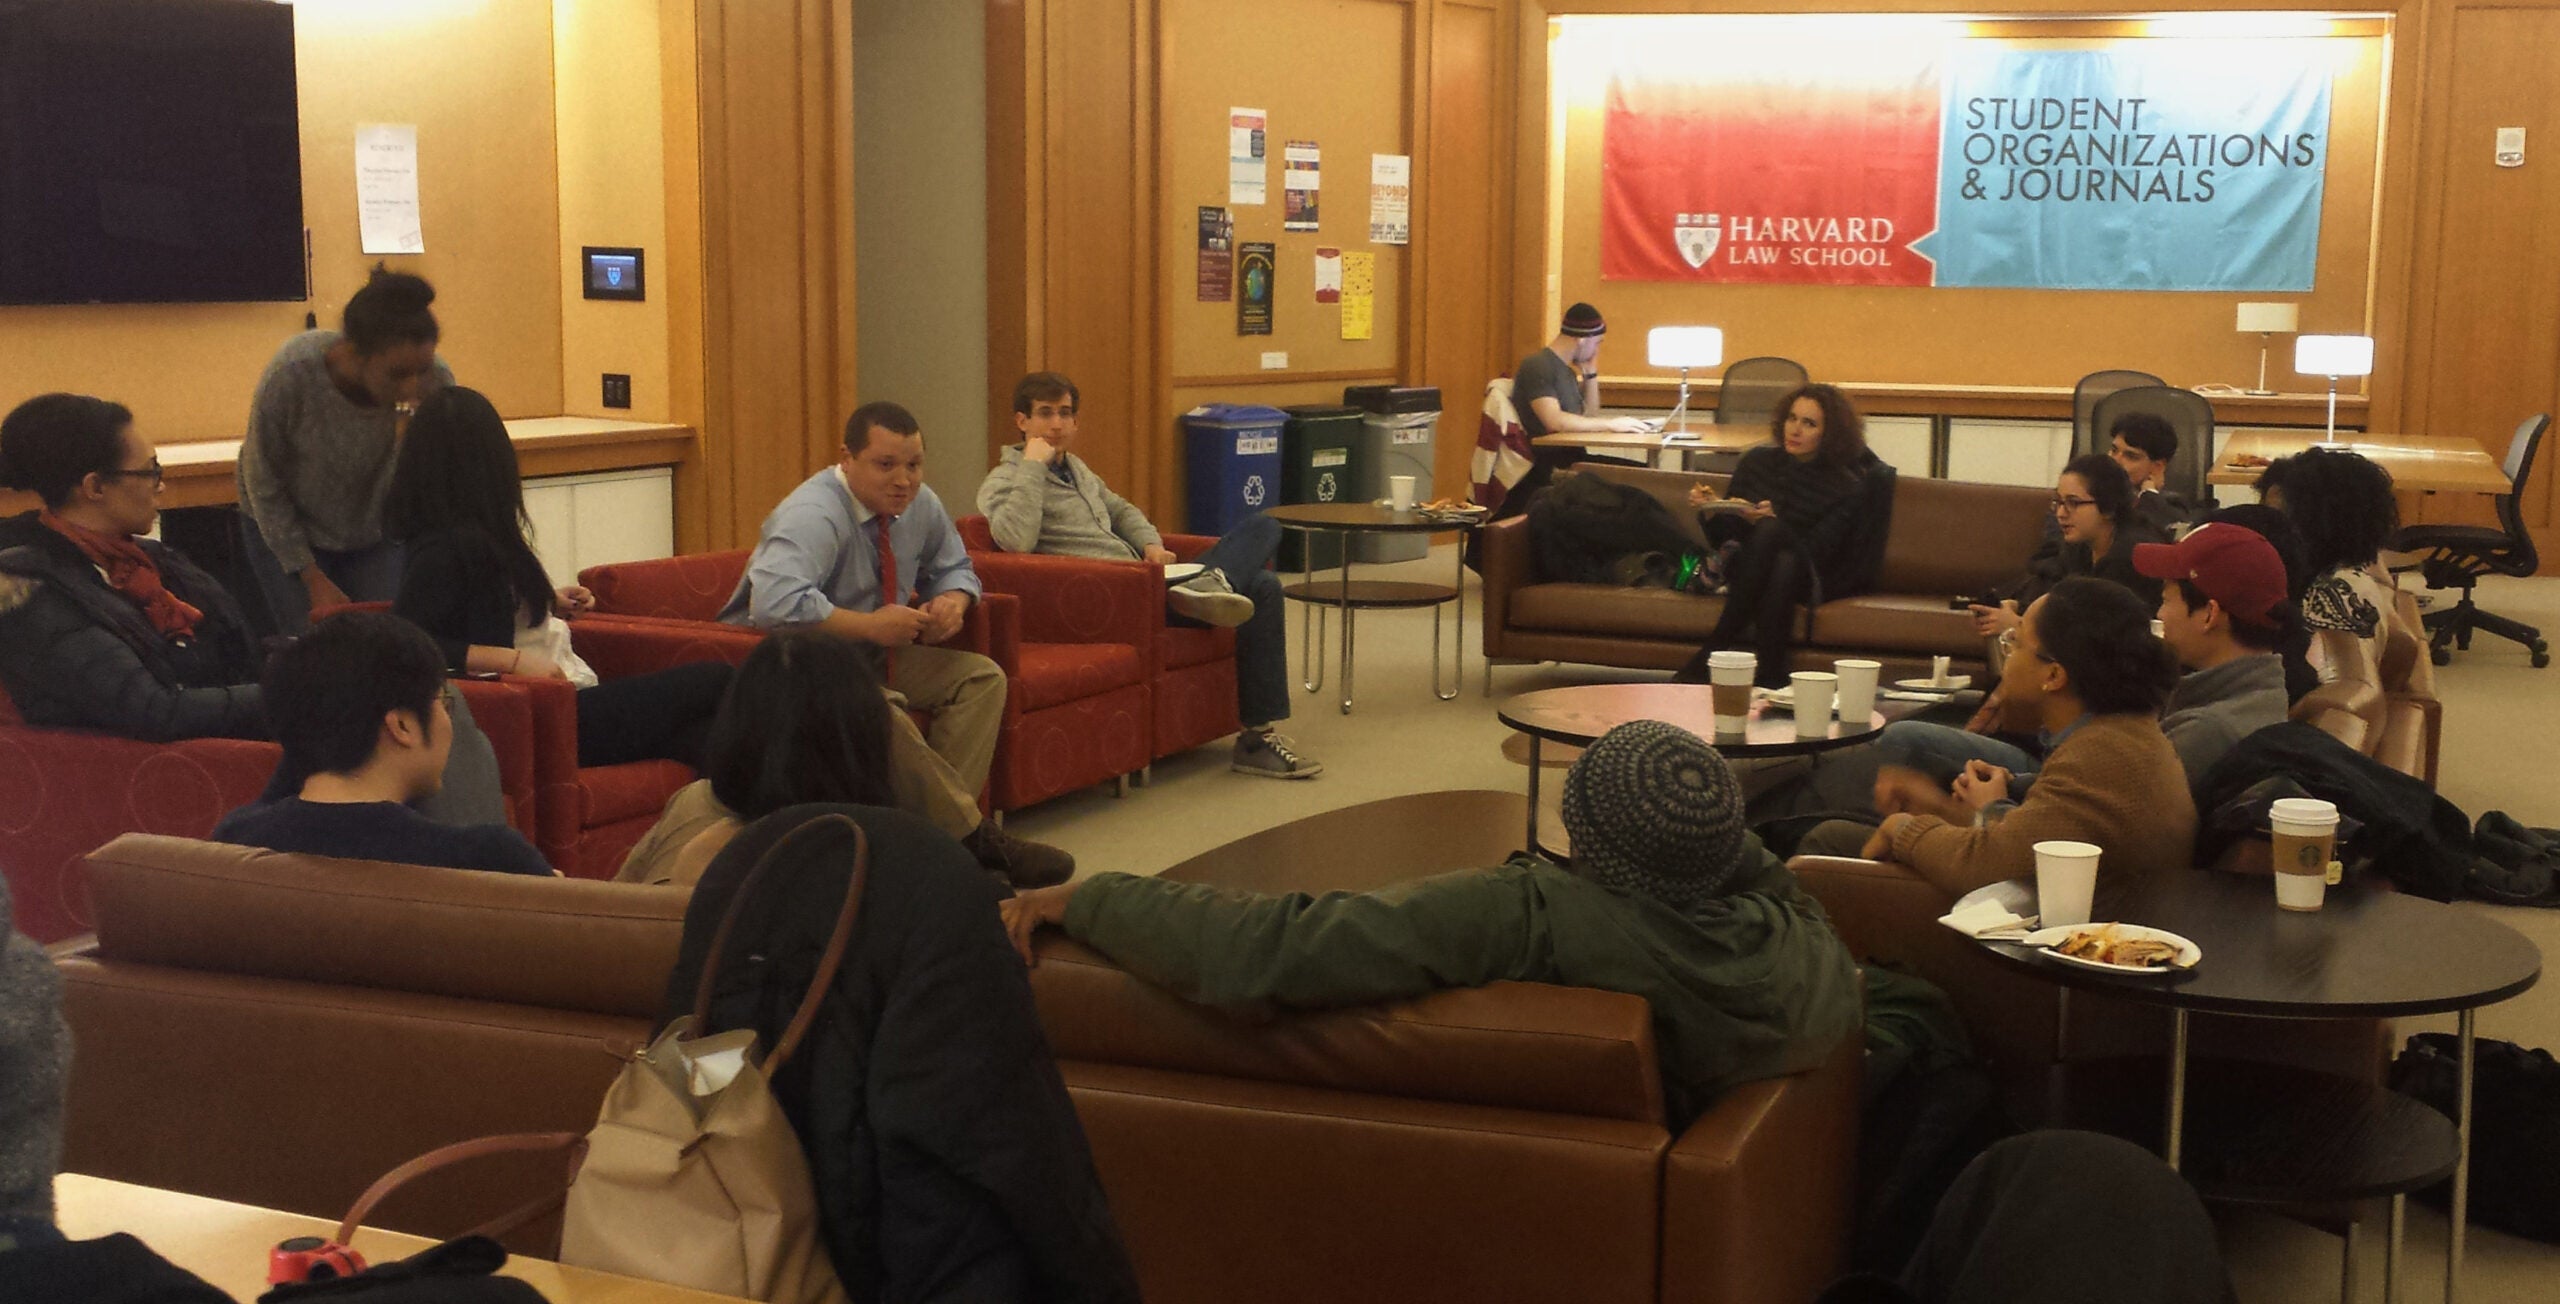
1669 897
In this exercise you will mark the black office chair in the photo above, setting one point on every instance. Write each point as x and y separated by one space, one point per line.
2458 555
2085 437
1752 387
2187 413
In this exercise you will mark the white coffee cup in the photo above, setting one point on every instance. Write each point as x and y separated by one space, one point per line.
1400 492
2306 840
2066 882
1857 690
1729 674
1938 669
1814 690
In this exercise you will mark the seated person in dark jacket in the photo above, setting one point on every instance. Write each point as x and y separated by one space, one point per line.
1669 897
359 704
1785 523
2143 443
2096 528
102 628
472 581
947 1158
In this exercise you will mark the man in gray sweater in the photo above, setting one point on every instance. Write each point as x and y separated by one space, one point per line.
2224 612
1042 498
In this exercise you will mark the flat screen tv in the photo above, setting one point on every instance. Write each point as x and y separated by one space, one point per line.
150 152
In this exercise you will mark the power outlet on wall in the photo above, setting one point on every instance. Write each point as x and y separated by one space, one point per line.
617 390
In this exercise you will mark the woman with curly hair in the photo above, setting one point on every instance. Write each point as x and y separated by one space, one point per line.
2342 506
1788 519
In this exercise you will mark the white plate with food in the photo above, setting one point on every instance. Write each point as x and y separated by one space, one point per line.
2116 948
1924 684
1783 699
1175 572
1451 509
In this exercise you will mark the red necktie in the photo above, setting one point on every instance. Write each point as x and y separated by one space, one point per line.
888 586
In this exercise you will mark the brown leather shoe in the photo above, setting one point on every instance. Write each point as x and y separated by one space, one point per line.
1019 861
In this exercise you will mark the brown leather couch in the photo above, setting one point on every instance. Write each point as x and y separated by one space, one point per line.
282 1029
1948 539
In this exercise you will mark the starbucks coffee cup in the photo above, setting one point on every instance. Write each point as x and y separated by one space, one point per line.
2305 830
1729 676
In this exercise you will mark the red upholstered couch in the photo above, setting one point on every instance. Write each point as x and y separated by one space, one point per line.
1077 706
1191 673
67 792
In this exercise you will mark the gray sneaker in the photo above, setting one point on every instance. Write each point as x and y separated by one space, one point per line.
1268 755
1207 598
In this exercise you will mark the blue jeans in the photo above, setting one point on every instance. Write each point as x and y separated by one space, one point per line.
1940 751
365 574
1262 643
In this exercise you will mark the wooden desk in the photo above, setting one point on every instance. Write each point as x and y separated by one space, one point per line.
200 474
2013 402
227 1244
2417 463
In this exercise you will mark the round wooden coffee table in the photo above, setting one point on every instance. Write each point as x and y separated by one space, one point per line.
1351 596
2364 954
1578 715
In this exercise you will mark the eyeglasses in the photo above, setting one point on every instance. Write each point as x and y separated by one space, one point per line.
2006 646
2063 503
152 471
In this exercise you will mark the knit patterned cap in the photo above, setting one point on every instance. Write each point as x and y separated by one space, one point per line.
1582 320
1652 809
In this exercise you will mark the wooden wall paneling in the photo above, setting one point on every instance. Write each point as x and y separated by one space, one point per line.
1095 321
1015 187
680 275
1460 226
2493 338
775 93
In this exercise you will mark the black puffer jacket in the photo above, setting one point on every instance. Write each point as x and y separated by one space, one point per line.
75 653
948 1160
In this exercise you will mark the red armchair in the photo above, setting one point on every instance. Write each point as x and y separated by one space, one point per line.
67 792
1076 706
1190 673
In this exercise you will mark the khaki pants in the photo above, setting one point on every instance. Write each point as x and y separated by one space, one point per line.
940 777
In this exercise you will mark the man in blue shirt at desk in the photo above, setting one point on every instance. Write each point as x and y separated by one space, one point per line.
865 551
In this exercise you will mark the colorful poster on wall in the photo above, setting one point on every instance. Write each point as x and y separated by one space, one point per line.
1247 175
1301 177
1217 255
1328 275
1257 273
1390 199
1359 294
2152 165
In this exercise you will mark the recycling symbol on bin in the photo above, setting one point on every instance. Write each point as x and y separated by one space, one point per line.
1326 487
1253 492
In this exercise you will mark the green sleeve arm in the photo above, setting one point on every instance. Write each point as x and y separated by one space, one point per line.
1238 950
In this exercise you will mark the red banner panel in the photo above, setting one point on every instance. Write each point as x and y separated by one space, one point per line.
1818 169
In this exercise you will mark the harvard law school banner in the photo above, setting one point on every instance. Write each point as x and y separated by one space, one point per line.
2161 165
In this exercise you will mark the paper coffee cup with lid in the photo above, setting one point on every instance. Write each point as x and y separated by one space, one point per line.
2305 834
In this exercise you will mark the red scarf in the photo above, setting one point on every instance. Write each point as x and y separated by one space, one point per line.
131 572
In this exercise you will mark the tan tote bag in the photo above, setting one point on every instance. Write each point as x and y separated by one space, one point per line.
692 1175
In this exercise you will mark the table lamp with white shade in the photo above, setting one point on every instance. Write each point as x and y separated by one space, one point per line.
2266 321
1684 347
2333 356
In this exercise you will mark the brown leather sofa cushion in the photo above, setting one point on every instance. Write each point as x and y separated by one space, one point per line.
1554 1050
1921 624
551 943
1955 537
1254 1192
1607 609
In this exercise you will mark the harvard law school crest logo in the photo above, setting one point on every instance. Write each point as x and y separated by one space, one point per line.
1697 235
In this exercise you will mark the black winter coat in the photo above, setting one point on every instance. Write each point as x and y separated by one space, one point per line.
948 1160
75 653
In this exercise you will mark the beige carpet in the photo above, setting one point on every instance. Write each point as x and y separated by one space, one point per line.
2502 727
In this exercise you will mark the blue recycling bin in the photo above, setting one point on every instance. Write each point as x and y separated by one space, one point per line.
1234 463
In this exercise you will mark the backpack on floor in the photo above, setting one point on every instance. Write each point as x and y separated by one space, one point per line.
2515 1127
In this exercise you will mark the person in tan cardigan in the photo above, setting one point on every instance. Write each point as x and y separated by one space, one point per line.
2084 668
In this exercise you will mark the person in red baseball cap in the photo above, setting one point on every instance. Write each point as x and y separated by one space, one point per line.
2224 611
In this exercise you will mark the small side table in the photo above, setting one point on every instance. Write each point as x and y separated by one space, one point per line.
1351 596
2365 954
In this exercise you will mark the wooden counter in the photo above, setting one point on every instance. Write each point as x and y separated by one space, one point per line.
2011 402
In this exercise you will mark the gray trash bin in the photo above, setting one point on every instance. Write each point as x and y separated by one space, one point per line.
1397 427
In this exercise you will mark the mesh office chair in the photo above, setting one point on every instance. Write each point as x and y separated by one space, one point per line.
2187 413
1752 387
2458 555
2084 405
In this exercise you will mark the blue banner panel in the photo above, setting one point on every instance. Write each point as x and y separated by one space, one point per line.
2180 165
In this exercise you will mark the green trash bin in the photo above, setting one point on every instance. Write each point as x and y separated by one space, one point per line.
1316 450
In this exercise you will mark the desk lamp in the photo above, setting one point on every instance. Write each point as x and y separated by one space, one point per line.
1684 347
2266 321
2333 356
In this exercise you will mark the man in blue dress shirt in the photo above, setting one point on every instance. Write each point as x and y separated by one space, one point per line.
866 551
